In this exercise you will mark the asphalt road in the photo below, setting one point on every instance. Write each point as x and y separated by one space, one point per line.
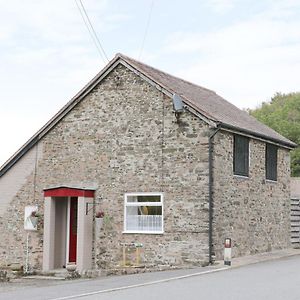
277 279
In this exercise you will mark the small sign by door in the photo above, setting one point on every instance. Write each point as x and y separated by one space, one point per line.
30 218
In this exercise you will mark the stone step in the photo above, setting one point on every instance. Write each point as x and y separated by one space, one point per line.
57 273
45 277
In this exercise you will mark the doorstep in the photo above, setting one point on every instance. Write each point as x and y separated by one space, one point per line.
44 277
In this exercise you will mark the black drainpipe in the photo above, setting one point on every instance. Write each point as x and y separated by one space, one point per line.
210 183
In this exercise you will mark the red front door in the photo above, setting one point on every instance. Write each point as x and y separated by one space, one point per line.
73 229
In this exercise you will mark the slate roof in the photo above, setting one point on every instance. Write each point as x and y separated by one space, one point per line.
206 102
210 104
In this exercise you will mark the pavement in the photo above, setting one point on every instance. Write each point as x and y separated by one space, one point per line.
122 282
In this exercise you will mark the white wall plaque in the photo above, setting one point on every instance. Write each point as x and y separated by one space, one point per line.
31 218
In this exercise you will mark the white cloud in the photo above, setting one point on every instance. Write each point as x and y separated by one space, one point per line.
46 56
246 62
244 36
54 21
221 6
248 82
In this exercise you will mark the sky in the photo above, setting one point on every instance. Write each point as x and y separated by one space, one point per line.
244 50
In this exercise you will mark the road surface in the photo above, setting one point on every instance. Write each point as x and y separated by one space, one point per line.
276 280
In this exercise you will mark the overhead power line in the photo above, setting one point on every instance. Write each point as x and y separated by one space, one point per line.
146 29
91 30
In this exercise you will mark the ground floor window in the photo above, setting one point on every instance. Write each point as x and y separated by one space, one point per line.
143 213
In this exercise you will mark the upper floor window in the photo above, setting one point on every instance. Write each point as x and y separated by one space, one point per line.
241 156
143 213
271 162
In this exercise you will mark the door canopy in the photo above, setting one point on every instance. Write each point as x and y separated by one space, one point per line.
68 192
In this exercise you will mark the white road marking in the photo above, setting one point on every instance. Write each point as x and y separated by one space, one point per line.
139 285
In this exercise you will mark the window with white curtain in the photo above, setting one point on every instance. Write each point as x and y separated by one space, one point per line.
143 213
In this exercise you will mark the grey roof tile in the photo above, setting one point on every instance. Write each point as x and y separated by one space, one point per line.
208 103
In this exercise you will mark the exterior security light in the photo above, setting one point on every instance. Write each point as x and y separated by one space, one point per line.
177 104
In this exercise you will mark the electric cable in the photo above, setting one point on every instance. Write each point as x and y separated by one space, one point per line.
91 31
146 29
92 27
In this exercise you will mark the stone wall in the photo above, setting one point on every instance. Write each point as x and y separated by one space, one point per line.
123 137
295 187
252 211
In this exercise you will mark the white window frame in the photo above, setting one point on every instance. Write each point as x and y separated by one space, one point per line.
131 204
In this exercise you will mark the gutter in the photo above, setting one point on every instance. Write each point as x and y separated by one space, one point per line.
210 184
267 139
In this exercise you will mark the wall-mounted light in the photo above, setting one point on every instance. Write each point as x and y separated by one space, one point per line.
177 106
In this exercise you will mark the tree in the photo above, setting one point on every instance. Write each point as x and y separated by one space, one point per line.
282 114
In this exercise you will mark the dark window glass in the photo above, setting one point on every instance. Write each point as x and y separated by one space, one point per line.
271 162
241 156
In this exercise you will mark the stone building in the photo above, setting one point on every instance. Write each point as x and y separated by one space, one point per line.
175 168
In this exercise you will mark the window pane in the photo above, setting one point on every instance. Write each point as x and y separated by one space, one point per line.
154 198
149 210
132 210
144 223
149 198
271 162
241 155
132 199
144 218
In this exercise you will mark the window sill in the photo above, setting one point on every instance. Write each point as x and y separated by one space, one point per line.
240 176
142 232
